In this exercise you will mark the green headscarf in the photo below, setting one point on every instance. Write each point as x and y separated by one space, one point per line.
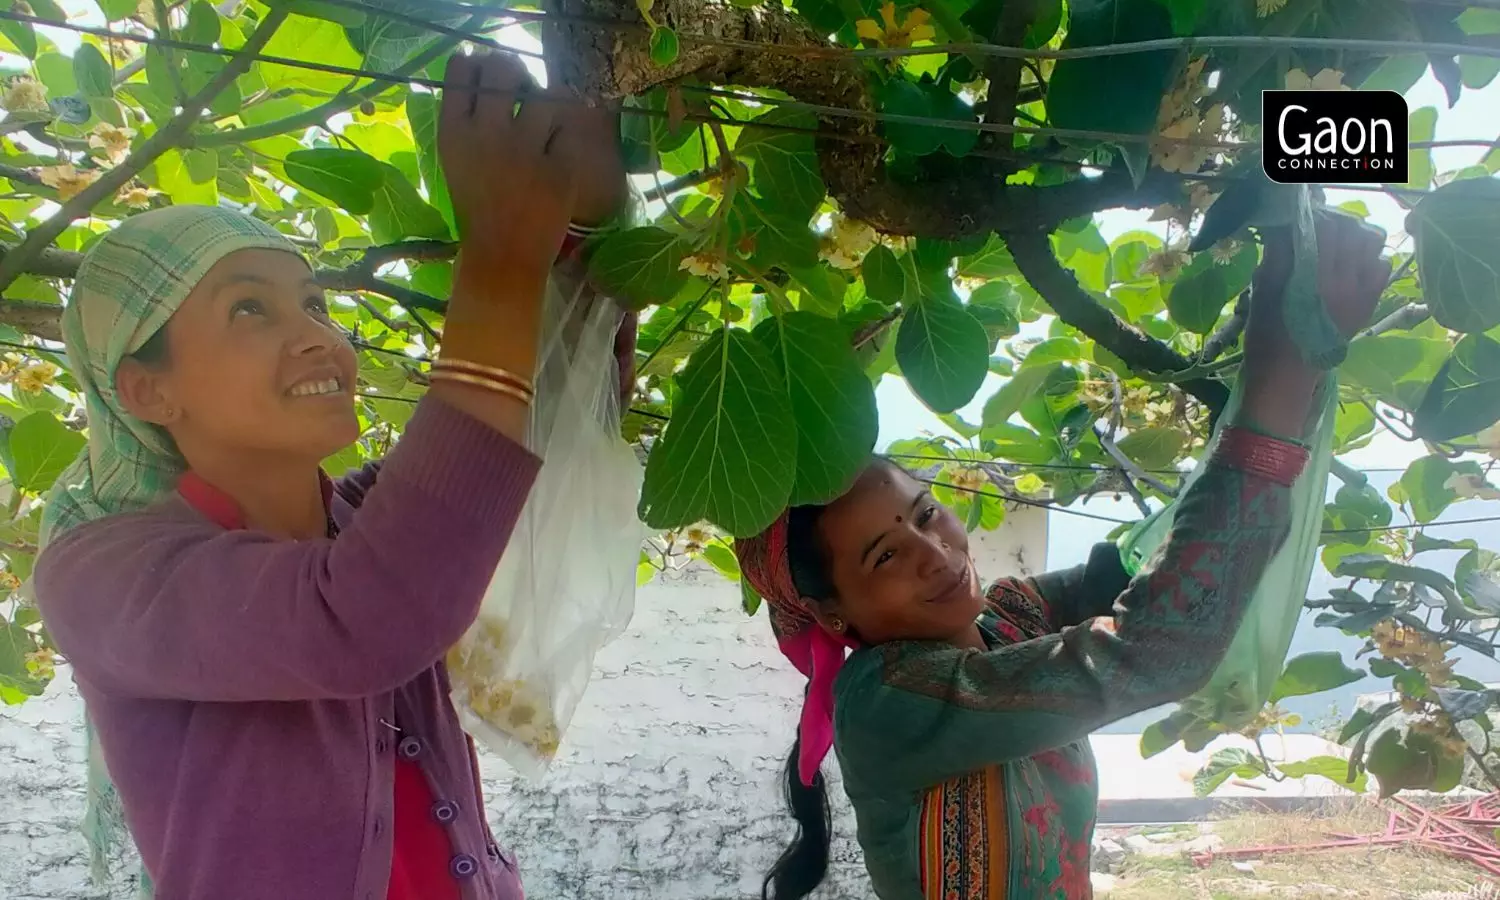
129 284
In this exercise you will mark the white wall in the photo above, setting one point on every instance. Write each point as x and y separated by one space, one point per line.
667 787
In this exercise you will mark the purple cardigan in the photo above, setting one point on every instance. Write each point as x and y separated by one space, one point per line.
251 694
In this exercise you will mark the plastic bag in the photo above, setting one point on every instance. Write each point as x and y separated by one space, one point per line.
566 584
1242 683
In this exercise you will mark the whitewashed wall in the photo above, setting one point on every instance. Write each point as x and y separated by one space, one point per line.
667 788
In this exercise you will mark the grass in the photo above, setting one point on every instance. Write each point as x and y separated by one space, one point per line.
1356 874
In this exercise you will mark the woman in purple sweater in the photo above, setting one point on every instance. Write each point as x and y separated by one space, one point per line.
270 702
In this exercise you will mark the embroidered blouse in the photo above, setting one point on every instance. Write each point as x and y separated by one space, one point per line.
970 771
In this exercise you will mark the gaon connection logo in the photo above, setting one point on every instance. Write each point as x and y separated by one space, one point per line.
1350 137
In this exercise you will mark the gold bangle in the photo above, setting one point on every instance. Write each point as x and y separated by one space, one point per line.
480 381
493 372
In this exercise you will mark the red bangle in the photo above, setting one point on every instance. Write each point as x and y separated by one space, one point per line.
1265 457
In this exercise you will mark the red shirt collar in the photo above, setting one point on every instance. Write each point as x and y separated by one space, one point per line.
220 508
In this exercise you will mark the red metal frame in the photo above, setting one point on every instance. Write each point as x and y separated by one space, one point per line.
1465 831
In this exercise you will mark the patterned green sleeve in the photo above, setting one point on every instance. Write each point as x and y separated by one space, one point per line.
916 714
1070 596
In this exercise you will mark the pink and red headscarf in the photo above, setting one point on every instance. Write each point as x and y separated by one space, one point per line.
815 651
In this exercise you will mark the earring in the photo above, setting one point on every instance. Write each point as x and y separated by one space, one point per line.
837 624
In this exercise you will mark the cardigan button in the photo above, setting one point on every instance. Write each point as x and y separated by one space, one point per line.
463 866
409 748
445 811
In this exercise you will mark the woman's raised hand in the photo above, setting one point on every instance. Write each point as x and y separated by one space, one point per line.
590 136
513 186
1352 275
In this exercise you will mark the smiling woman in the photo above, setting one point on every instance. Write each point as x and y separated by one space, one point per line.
961 716
266 688
249 372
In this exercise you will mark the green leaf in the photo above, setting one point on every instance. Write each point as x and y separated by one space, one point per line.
347 459
1111 93
341 15
1185 14
115 10
774 238
1313 673
885 278
1362 720
1457 232
1396 368
995 305
1464 398
95 76
1477 20
711 462
723 560
1421 125
663 46
943 352
1412 760
203 25
347 177
1422 543
926 101
1425 483
1153 448
1478 578
1360 506
783 164
1396 73
421 112
1058 349
1354 426
1129 252
647 139
1204 288
1163 733
15 643
313 40
20 34
948 105
1333 768
1379 568
1231 762
640 265
202 165
42 447
936 255
1462 705
749 599
401 213
993 260
56 72
1027 383
1017 444
387 43
820 289
1478 71
1357 623
833 403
